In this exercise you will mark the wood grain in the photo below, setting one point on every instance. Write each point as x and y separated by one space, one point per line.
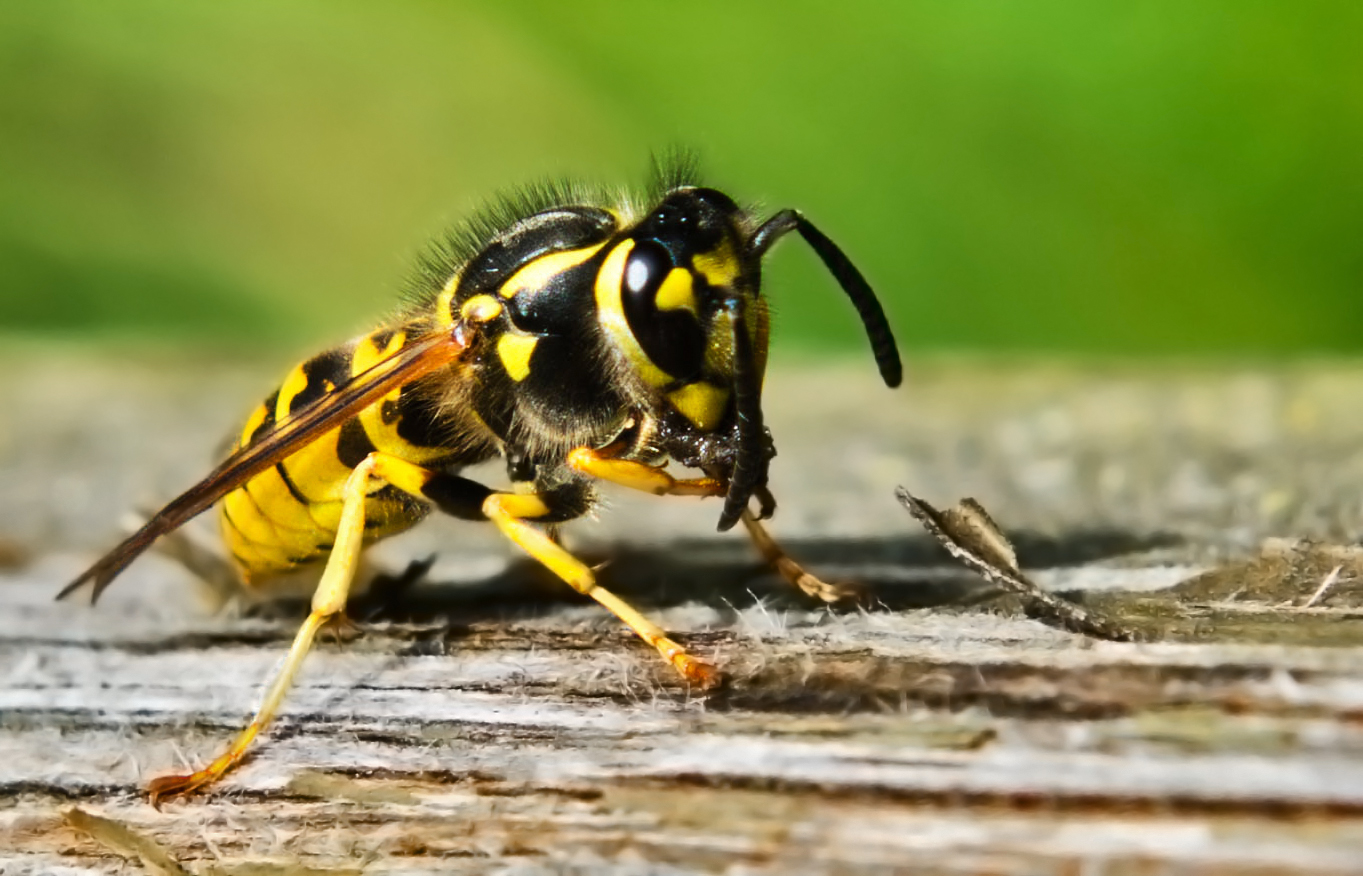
488 722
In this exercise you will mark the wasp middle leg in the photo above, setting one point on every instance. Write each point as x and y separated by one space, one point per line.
514 514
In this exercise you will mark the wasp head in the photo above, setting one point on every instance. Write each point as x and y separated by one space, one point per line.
679 296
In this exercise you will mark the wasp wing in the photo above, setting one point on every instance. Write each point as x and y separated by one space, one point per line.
326 413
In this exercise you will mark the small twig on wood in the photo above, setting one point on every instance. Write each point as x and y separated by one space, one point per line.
1329 581
971 536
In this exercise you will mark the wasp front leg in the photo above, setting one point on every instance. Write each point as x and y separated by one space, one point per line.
792 571
654 479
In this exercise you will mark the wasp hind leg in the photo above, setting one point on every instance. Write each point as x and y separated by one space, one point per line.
328 604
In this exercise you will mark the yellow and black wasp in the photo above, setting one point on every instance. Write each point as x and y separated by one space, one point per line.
581 338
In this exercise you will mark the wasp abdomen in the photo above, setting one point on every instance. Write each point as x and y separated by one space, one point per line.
287 516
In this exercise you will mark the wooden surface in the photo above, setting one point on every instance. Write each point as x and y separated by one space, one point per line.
489 722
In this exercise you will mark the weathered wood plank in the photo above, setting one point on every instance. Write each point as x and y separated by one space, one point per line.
489 722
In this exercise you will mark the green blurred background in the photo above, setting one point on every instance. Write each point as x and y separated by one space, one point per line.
1059 176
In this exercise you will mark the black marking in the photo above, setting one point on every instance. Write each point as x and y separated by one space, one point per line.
457 496
289 485
353 444
389 505
419 424
323 373
381 338
415 416
495 405
266 424
567 389
532 238
227 516
564 306
551 213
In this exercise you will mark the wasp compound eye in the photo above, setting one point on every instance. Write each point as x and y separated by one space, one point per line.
659 301
648 264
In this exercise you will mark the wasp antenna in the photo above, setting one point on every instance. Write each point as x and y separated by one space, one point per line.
883 345
750 469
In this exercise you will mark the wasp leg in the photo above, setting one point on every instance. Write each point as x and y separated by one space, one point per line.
511 511
638 476
652 479
328 603
792 571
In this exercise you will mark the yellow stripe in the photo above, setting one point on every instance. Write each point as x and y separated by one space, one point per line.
515 351
247 518
382 435
255 560
611 313
700 402
293 384
720 267
367 353
268 490
538 273
444 303
480 308
253 423
327 515
677 292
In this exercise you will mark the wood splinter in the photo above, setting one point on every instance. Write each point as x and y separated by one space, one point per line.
970 535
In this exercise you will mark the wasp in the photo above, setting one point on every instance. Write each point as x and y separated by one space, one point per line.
581 338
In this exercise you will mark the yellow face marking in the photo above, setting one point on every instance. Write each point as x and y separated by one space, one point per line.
480 308
610 310
719 267
514 351
539 272
700 402
677 292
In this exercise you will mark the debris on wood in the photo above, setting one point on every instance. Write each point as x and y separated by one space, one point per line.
970 535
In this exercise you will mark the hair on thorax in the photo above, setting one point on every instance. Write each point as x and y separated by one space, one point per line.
670 169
